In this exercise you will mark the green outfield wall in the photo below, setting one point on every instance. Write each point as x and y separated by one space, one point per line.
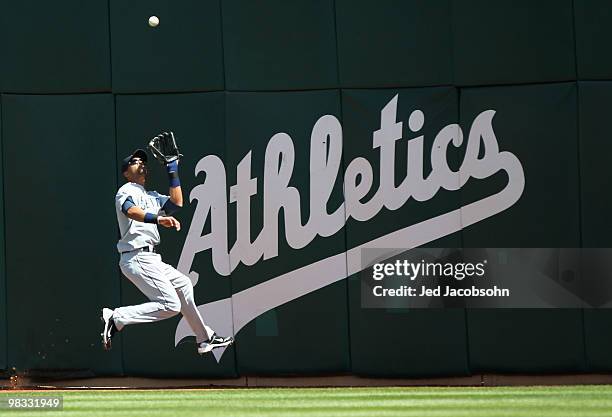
84 83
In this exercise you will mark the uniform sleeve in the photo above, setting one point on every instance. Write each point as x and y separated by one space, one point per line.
120 198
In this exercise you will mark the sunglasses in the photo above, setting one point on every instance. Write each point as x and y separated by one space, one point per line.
135 161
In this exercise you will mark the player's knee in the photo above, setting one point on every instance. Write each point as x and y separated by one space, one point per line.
173 306
187 291
184 283
185 288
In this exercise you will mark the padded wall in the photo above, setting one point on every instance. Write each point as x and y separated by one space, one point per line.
512 41
539 125
183 53
419 342
61 228
3 317
593 34
54 47
594 152
392 43
84 83
279 45
594 179
287 339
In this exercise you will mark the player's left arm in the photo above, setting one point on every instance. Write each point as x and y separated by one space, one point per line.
176 193
173 202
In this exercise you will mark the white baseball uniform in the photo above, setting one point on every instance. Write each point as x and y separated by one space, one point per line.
168 290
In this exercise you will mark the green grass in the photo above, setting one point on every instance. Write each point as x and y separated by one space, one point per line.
571 401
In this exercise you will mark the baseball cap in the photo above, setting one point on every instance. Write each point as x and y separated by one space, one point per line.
138 153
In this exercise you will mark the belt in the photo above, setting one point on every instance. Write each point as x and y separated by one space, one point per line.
144 249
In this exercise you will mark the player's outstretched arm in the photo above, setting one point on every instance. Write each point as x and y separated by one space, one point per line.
176 194
138 214
164 149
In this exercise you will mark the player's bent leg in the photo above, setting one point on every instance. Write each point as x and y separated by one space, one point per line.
206 338
146 312
150 280
189 309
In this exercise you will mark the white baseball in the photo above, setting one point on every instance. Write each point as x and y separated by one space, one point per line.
153 21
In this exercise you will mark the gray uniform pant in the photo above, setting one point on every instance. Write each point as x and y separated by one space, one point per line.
169 293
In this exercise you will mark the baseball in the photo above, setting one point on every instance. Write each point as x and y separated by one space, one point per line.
153 21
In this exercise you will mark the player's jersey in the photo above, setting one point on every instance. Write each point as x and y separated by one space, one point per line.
135 234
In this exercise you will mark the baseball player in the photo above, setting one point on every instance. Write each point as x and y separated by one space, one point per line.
139 212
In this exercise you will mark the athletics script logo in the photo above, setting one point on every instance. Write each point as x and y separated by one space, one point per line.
228 316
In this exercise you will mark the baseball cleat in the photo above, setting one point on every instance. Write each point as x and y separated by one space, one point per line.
109 328
213 343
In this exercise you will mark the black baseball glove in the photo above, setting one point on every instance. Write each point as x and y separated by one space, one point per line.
164 149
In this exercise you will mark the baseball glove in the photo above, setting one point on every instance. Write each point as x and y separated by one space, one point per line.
164 149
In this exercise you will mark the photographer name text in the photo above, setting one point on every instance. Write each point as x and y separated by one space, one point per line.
412 270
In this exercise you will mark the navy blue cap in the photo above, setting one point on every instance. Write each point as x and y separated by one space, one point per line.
138 153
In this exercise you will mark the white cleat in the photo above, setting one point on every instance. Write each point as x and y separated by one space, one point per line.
213 343
109 328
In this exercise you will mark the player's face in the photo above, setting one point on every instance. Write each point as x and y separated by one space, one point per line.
137 169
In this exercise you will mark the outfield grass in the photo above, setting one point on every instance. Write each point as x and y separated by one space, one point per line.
573 401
